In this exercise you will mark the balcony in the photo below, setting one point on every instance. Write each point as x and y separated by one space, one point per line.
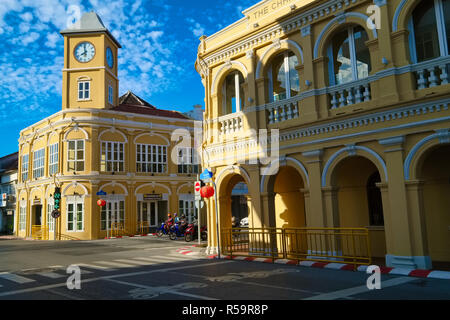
431 73
347 94
231 123
283 110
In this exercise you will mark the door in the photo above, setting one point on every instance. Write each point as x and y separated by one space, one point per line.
37 215
149 213
115 211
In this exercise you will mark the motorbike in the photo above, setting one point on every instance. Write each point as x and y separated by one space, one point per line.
162 230
175 232
192 233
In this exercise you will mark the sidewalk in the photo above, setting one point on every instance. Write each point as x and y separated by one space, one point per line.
9 238
433 274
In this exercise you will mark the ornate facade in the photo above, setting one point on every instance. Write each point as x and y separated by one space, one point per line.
359 91
102 146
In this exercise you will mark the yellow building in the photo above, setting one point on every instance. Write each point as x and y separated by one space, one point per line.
100 143
360 96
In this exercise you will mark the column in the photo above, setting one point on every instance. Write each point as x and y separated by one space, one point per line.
399 225
314 203
94 210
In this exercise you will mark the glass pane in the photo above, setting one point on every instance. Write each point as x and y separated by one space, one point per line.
446 6
341 58
279 78
362 52
425 31
230 94
293 74
80 166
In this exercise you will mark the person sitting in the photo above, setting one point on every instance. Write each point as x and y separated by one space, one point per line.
183 223
169 222
176 219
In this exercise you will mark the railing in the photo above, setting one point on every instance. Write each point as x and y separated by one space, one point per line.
345 245
431 73
39 232
350 93
117 229
143 227
283 110
231 123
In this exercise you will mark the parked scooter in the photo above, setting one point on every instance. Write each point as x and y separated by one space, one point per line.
192 233
162 230
175 232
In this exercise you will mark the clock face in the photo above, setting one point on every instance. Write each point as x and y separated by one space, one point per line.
109 57
85 52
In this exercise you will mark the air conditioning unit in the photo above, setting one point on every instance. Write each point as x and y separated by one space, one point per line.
11 198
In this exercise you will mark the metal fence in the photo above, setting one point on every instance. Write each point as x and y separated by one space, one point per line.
343 245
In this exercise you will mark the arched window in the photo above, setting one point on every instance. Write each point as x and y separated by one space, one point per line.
233 96
430 30
349 57
284 82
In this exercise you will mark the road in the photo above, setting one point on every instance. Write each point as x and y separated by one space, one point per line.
151 269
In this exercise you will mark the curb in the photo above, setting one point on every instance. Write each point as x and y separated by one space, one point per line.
418 273
132 236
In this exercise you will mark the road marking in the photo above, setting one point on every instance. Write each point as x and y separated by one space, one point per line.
165 292
115 264
51 275
93 266
131 274
357 290
15 278
133 261
157 260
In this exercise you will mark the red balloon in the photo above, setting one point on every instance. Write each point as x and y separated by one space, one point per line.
207 192
101 203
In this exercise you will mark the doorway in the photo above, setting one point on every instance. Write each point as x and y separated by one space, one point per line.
37 216
116 213
148 213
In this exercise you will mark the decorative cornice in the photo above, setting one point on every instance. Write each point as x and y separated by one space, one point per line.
328 9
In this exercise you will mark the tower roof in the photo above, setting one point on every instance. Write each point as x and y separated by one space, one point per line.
90 22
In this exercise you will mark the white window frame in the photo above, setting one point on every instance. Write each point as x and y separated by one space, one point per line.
22 218
287 75
38 163
237 93
115 161
75 201
50 219
142 160
25 166
109 214
187 158
351 39
85 92
441 30
76 160
53 159
186 206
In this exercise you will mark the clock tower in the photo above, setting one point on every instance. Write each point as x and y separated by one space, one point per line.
90 74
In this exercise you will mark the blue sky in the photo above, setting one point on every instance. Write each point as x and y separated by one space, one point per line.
159 40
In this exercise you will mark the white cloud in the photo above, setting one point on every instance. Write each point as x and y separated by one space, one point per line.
33 36
52 39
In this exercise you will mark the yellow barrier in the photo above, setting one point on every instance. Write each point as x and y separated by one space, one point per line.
39 232
117 229
143 227
344 245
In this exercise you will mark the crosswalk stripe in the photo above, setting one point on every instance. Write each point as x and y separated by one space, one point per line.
161 259
138 263
15 278
51 275
93 266
114 264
